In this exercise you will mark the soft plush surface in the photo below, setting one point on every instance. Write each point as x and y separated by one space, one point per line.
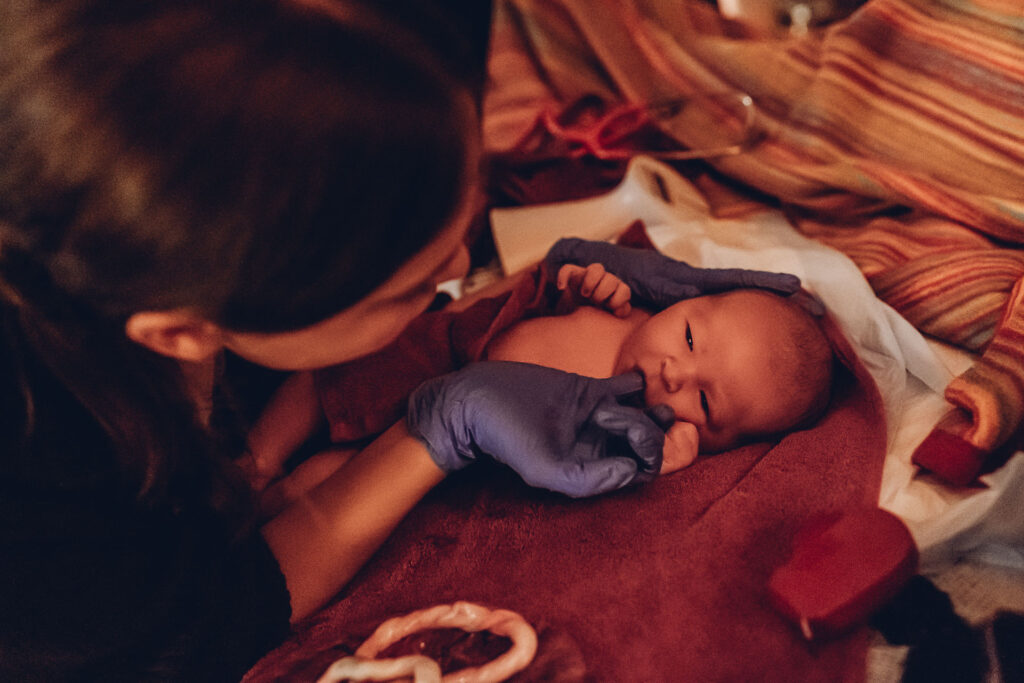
662 582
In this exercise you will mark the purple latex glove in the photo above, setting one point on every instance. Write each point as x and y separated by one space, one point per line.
658 280
557 430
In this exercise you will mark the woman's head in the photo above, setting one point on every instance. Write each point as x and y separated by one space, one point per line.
238 166
264 164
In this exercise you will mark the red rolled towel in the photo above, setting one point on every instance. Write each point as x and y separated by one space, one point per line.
842 569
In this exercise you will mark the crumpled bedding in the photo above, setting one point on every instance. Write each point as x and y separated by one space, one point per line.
895 135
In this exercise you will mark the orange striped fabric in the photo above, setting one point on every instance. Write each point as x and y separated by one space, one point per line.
895 135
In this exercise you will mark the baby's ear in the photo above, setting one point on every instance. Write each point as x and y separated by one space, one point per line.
808 301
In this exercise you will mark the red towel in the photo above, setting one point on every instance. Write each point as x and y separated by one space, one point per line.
664 582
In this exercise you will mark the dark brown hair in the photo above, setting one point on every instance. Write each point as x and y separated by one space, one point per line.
264 163
807 364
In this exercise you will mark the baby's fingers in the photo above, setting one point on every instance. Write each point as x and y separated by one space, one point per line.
613 294
680 448
570 275
609 290
593 282
592 278
618 302
605 288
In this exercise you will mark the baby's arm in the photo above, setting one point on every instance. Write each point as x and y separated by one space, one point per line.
291 416
596 285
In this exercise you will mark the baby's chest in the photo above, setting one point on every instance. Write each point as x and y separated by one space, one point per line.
583 342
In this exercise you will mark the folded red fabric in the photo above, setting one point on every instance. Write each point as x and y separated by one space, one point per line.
842 569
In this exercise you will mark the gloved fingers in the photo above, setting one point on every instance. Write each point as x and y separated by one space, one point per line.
665 292
580 477
724 279
645 438
669 293
594 477
623 386
809 302
574 250
662 414
637 265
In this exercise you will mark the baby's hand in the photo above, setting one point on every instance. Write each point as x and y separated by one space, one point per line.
680 448
597 285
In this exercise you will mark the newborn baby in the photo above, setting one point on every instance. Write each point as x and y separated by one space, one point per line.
734 367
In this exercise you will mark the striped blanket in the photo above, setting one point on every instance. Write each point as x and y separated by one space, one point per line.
895 135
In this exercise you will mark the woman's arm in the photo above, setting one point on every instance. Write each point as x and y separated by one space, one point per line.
326 536
560 431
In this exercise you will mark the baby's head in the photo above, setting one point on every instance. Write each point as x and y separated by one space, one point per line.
740 365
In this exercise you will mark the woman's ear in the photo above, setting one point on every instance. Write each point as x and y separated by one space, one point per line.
176 333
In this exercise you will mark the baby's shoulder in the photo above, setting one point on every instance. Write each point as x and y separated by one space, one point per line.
585 341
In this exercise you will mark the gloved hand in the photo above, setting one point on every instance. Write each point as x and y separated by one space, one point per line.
557 430
659 280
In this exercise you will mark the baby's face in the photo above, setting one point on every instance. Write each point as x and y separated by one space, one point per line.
714 360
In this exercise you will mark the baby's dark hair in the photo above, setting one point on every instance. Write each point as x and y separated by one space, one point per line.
814 369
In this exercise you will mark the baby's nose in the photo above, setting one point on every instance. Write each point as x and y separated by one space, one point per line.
681 384
676 374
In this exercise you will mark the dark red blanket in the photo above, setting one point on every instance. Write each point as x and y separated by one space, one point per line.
665 582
